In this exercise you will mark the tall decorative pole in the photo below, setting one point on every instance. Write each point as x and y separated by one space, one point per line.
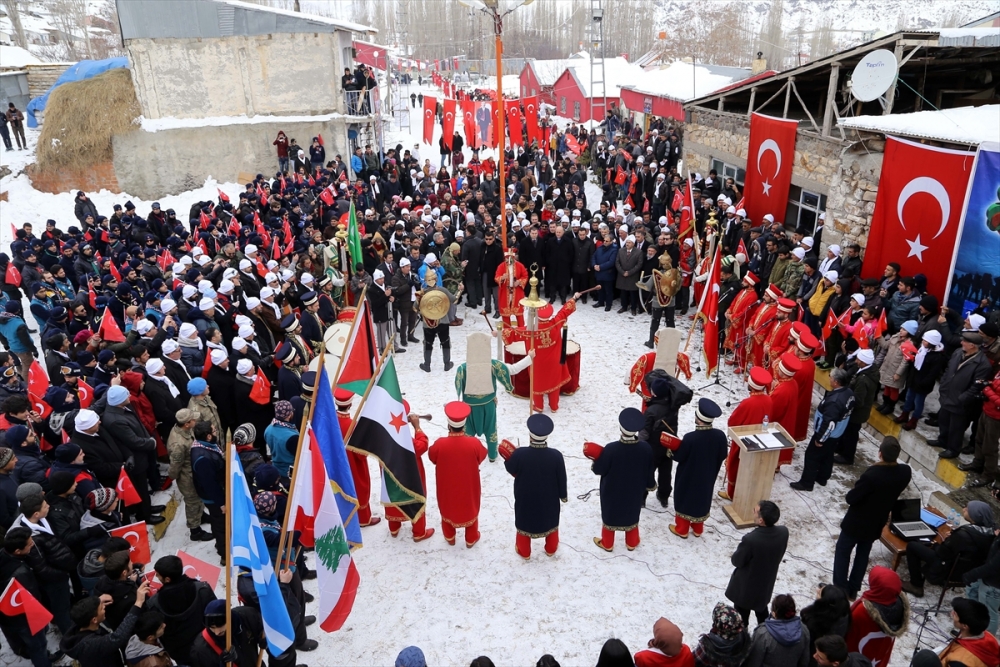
532 302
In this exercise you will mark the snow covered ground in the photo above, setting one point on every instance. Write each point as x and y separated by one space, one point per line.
457 603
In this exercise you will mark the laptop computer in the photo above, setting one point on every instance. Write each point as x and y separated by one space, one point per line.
906 521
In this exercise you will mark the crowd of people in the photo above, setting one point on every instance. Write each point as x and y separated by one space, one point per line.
159 328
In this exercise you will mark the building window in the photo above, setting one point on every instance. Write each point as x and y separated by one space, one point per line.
725 170
562 106
576 110
804 208
524 91
532 91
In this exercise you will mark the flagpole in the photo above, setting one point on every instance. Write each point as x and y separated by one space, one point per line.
704 292
229 547
368 389
306 420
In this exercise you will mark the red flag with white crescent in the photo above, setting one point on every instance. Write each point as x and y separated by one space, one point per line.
448 129
38 384
12 276
86 393
199 570
918 211
572 143
109 329
430 106
531 119
514 129
769 166
135 534
469 123
881 326
16 600
126 490
708 312
495 115
222 195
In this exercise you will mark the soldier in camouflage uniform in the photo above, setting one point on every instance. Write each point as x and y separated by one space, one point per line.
179 447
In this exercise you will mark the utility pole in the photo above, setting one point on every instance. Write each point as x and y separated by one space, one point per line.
597 70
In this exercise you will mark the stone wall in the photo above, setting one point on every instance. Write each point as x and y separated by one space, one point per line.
92 179
152 164
851 202
726 136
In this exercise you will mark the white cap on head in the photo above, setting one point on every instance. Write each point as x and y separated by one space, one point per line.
430 258
742 212
197 252
250 249
153 365
831 276
245 331
835 249
630 237
239 344
86 419
404 262
169 346
265 293
307 279
188 291
808 241
229 273
188 330
769 217
205 304
798 253
975 321
287 275
244 366
144 327
731 209
252 302
218 356
226 287
860 298
245 265
866 356
378 275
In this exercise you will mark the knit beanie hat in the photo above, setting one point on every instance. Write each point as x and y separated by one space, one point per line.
102 499
62 481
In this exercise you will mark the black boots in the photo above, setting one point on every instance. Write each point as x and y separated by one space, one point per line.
426 366
446 353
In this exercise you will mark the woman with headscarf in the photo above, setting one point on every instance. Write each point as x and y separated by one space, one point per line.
282 437
728 644
830 614
879 616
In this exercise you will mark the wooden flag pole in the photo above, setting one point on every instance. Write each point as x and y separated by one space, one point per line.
704 294
368 389
306 420
229 547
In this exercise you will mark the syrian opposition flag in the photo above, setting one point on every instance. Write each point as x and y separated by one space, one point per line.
769 166
16 600
708 313
126 490
109 329
315 513
448 128
361 353
381 431
918 211
430 108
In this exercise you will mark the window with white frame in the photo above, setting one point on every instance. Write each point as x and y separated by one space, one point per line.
576 110
804 208
562 105
726 170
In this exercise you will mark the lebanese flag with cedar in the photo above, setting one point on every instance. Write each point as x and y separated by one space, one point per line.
918 212
109 329
769 166
38 384
137 537
126 490
430 109
16 600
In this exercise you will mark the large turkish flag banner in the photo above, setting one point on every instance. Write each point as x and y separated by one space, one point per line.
469 122
769 166
514 129
448 130
430 107
917 212
531 119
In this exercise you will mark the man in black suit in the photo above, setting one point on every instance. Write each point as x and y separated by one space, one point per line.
869 504
756 560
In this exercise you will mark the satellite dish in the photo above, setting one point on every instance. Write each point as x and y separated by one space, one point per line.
873 75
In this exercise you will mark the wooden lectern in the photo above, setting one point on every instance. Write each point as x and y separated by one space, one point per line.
757 466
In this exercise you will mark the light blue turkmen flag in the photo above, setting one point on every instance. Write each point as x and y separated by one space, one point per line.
250 551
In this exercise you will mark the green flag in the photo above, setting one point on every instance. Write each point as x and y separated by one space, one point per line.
353 241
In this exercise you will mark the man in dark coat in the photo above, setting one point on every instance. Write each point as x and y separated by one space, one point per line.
830 419
16 558
539 485
127 431
869 504
865 385
220 383
559 253
699 456
757 560
669 394
963 380
626 470
183 606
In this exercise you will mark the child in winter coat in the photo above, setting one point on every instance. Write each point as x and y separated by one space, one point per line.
893 365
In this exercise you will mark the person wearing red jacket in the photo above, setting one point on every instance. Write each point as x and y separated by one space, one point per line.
760 324
974 646
666 648
394 515
805 377
457 457
752 410
550 371
785 399
511 277
779 339
878 617
736 318
988 436
357 461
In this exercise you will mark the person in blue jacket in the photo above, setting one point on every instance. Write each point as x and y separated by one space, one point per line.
604 271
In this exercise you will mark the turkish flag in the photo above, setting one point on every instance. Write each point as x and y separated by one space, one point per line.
514 129
448 129
16 600
573 145
109 329
918 211
135 534
742 248
126 490
165 261
620 177
469 121
881 326
495 115
12 276
430 105
154 583
222 195
204 220
200 570
260 393
86 393
115 272
769 166
708 312
531 119
326 196
38 384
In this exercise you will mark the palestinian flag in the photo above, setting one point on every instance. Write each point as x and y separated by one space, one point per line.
381 431
361 353
353 240
315 513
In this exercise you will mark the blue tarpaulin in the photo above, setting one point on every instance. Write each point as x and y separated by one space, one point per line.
84 69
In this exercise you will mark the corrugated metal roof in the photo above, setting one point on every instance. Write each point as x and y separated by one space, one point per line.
180 19
962 125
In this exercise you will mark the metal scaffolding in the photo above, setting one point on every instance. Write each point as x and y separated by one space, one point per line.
597 90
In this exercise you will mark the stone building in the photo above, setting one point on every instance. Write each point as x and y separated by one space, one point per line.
837 165
217 79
